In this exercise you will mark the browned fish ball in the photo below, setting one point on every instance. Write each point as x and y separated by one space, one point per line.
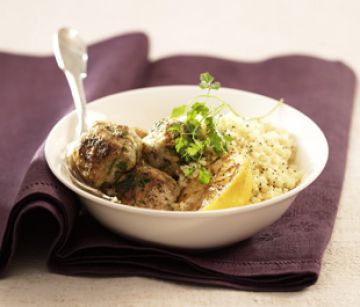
158 150
148 187
106 152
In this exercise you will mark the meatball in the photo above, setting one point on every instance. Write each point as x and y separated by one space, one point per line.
192 195
158 150
196 195
106 152
148 187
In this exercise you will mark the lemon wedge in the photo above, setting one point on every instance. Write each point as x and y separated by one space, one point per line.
236 193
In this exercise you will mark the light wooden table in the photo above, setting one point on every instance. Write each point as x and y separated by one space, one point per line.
244 30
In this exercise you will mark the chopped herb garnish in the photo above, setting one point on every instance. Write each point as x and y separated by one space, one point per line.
175 128
189 171
204 175
207 81
196 133
179 111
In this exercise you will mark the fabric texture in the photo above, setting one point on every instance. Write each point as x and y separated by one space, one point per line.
284 257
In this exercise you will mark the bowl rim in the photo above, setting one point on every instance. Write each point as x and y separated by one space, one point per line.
165 213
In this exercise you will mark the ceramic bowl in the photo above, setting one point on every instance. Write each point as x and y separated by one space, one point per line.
198 229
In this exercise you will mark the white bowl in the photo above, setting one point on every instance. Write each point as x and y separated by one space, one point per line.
199 229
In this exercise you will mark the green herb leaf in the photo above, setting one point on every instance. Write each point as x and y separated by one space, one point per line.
228 138
192 118
207 81
200 108
204 176
206 77
216 139
193 149
180 144
176 112
203 85
216 85
189 171
175 128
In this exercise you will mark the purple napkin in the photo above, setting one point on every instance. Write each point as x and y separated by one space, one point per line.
284 257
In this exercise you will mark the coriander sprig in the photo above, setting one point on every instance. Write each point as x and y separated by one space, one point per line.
207 81
196 132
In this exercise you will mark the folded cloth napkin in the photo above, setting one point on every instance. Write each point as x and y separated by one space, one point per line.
284 257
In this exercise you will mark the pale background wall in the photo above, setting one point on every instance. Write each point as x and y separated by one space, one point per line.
244 29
